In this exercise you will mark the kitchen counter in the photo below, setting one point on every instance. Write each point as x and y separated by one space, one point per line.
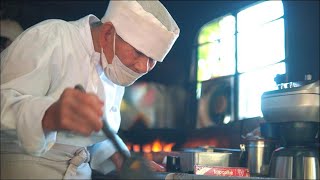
178 176
183 176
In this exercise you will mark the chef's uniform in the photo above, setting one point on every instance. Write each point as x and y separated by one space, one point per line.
67 59
54 55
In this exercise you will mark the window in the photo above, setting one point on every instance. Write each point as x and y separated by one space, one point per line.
248 45
216 41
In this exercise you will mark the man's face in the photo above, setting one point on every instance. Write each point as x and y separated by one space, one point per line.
132 58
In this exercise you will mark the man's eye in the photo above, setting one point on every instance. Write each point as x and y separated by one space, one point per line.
139 52
152 62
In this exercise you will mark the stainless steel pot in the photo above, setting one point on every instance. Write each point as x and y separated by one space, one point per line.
295 163
258 156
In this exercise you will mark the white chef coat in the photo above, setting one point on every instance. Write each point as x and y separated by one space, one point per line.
35 69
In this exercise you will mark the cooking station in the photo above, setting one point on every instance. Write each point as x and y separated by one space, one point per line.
286 148
181 164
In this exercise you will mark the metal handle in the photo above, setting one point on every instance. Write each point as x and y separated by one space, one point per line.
80 88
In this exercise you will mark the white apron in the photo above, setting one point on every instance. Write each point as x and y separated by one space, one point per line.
60 162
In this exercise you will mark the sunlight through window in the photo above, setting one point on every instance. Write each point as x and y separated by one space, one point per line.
216 50
261 43
260 47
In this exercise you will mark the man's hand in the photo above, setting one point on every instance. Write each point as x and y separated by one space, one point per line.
156 167
117 160
74 111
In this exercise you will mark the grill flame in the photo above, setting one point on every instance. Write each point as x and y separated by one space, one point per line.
155 146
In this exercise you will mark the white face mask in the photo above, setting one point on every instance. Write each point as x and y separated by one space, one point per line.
117 72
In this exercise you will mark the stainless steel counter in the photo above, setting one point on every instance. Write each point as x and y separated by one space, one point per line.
183 176
179 176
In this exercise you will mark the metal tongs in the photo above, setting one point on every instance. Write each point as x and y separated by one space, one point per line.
134 167
121 147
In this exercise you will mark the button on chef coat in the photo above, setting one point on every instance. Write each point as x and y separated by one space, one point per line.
37 67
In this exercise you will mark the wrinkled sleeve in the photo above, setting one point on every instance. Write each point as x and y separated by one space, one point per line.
100 154
25 81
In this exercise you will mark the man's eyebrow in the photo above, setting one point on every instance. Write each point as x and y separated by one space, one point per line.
139 52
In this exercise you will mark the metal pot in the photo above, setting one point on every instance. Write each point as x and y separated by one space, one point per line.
295 163
258 156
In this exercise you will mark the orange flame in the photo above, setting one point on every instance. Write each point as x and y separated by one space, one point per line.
147 148
168 147
136 148
156 146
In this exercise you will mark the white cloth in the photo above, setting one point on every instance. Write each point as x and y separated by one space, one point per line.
81 158
36 68
60 162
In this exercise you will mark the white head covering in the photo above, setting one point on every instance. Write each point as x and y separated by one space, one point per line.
10 29
146 25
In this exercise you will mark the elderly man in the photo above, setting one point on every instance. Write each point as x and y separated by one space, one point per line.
49 129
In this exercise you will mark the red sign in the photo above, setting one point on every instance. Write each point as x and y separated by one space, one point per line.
221 171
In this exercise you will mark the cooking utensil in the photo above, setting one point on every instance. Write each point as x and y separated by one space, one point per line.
120 146
173 164
189 159
292 103
133 167
295 163
258 156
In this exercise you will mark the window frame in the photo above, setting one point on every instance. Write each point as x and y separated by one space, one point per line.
237 74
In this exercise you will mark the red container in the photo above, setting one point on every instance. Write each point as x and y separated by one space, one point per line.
221 171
